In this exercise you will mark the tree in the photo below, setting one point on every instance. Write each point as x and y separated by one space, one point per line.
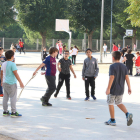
39 15
86 15
7 12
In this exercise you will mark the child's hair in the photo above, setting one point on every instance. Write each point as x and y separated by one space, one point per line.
66 51
138 53
53 50
129 51
88 49
19 40
114 43
71 48
64 46
44 48
1 48
75 46
121 53
9 54
116 55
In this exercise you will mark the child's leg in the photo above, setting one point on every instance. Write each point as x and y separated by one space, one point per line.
72 59
131 69
92 84
5 98
87 86
111 110
60 83
67 81
51 88
123 108
1 89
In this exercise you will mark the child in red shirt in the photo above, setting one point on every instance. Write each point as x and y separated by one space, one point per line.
137 64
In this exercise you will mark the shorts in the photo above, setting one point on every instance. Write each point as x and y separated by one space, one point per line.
114 98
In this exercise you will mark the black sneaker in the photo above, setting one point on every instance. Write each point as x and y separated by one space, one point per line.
68 97
46 104
16 114
55 95
6 113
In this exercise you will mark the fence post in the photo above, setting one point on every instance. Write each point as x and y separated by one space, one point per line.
53 43
84 41
3 42
37 44
97 44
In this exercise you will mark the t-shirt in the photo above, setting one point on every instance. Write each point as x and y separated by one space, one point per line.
74 51
21 44
105 48
70 54
65 66
119 71
129 58
8 76
115 48
57 46
122 59
50 63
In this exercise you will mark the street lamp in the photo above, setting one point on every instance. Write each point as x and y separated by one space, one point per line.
101 35
111 27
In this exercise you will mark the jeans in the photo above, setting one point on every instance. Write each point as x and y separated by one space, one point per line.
89 81
63 77
73 59
1 89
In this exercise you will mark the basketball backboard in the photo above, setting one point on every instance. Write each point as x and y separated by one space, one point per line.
129 32
62 25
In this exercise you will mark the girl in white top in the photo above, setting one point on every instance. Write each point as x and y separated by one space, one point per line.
70 53
122 58
74 54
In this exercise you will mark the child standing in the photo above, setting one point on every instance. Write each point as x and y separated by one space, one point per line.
9 77
66 66
60 47
105 49
43 56
89 73
2 60
70 53
129 58
50 63
118 74
74 54
137 63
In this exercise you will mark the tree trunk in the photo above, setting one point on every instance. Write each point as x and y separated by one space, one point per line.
43 35
90 40
134 39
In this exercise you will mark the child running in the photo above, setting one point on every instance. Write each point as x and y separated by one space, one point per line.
50 63
9 77
137 64
89 73
118 74
66 66
2 60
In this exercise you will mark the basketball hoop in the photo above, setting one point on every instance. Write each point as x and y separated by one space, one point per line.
129 32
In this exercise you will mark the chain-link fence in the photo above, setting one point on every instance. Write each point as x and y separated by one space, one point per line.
35 44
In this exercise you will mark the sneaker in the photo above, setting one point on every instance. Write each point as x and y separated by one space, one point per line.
6 113
94 98
87 99
1 95
68 97
55 95
42 100
109 122
16 114
46 104
129 119
136 74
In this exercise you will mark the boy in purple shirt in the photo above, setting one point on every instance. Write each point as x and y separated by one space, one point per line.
50 63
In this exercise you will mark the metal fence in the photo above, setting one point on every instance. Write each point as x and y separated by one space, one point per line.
35 44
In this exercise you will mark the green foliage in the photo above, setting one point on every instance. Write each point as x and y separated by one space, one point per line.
7 13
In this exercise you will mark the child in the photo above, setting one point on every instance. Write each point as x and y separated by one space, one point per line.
70 53
9 77
137 63
122 58
105 49
60 47
129 58
118 74
2 60
43 56
50 63
89 73
74 54
66 66
21 44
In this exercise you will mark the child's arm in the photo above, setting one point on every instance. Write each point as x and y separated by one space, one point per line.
111 79
83 71
128 84
96 68
38 68
1 77
71 68
58 64
18 78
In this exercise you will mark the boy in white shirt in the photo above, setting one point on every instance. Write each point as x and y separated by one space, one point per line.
105 49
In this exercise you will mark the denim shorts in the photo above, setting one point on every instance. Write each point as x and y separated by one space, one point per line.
114 98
